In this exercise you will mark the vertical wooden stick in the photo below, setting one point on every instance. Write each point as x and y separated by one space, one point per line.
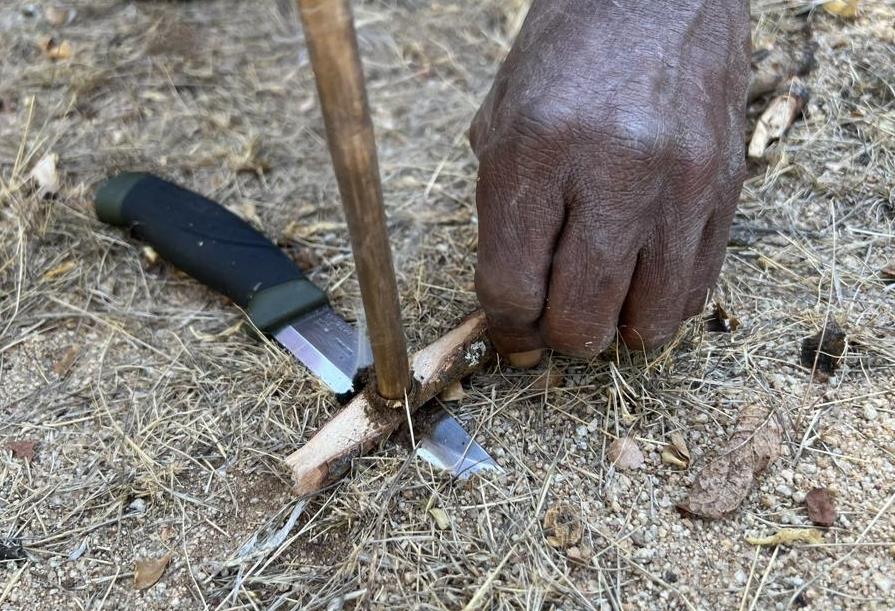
332 42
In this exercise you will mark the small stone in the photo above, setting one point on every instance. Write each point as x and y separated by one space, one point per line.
870 413
784 490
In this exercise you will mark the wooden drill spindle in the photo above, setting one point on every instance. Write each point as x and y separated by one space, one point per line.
332 42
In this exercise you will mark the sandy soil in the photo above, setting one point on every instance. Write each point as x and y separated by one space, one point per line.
160 424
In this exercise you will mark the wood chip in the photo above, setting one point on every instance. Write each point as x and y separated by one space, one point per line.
788 536
821 510
148 571
727 478
823 351
624 454
777 118
562 526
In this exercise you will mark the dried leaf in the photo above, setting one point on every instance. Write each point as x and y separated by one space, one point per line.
823 351
55 49
720 321
562 526
453 392
888 273
552 377
821 510
148 571
676 453
788 536
624 453
442 521
842 8
45 174
61 367
59 270
22 449
58 15
728 477
777 118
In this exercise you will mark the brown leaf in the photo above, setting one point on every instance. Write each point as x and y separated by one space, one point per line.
624 453
55 49
720 321
727 478
22 449
676 453
61 367
775 121
821 510
788 536
148 571
823 351
562 526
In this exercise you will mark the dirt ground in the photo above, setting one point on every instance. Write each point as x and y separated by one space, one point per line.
160 425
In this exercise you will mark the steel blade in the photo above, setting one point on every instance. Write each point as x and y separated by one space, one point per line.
328 346
446 444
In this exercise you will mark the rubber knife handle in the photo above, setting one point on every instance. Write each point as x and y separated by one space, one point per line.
212 245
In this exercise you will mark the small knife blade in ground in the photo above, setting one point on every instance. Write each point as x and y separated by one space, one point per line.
225 253
445 443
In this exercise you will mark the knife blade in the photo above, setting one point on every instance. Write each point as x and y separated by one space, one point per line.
225 253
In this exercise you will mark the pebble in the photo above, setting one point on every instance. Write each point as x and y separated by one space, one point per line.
870 413
784 490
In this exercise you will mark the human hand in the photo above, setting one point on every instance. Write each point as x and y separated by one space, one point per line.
610 163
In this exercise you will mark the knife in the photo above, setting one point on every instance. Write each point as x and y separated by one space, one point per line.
226 254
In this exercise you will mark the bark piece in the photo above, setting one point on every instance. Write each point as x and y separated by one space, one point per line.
727 478
777 118
361 425
821 510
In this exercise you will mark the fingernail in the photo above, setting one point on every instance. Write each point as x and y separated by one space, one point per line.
525 360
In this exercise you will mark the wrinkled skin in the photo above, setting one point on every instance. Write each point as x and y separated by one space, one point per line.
610 162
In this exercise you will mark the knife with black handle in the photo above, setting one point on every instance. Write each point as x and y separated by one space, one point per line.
225 253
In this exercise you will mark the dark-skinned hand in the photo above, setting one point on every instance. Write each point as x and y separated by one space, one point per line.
610 163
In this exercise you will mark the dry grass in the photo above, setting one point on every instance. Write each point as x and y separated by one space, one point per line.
160 425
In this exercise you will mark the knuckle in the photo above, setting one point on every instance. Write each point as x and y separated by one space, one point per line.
634 136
